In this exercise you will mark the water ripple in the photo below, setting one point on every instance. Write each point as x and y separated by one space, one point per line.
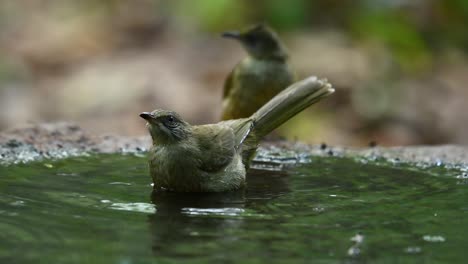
213 211
134 207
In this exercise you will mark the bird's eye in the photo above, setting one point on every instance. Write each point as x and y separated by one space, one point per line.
170 122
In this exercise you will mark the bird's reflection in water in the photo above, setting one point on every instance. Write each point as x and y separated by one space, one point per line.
203 217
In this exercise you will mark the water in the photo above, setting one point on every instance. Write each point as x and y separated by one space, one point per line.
100 209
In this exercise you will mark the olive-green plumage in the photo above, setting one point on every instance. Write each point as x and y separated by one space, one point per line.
257 78
214 157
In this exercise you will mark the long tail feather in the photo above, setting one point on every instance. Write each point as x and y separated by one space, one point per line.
288 103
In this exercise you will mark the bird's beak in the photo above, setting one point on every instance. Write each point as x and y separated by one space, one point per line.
147 116
231 34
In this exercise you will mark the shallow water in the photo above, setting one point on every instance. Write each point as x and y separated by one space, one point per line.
100 209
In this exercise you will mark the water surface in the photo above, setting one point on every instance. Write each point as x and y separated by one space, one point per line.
101 209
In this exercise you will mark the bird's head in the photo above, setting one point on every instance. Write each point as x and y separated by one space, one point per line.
260 41
166 126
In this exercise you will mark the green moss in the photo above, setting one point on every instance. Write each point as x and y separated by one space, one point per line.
396 32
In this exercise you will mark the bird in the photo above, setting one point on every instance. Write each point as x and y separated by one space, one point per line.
258 77
215 157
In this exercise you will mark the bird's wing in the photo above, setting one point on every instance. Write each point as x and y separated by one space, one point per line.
217 144
241 129
246 141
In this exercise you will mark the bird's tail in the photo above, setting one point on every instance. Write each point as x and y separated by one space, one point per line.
288 103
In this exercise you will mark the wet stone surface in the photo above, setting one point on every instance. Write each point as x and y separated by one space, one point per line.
61 140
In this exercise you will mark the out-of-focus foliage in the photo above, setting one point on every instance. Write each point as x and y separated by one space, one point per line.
398 34
449 26
211 15
286 17
410 29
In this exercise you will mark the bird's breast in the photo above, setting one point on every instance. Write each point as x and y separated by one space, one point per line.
174 168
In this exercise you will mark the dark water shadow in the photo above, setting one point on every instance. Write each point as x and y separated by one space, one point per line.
198 217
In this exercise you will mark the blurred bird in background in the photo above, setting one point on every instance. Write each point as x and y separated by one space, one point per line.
260 76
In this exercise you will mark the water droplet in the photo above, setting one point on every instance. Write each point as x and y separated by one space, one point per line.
134 207
434 239
318 209
358 238
67 174
353 251
17 203
213 211
120 183
413 250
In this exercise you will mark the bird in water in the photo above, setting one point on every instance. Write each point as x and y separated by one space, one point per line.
257 78
215 157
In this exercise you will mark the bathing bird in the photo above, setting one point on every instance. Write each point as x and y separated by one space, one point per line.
215 157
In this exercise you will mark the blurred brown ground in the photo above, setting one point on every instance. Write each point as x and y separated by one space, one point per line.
101 63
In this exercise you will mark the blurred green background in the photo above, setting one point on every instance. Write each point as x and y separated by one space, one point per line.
400 67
